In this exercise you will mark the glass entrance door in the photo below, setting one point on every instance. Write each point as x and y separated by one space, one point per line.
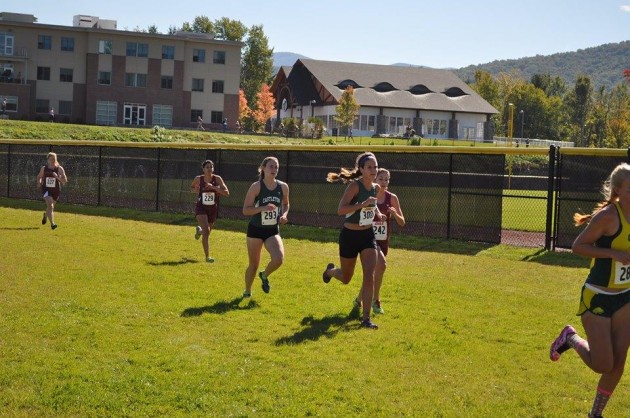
135 114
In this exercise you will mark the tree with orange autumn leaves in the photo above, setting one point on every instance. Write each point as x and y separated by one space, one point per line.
256 119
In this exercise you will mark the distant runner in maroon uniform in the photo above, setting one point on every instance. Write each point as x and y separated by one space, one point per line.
50 178
389 205
209 187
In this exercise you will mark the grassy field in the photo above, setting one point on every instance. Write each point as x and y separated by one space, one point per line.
116 314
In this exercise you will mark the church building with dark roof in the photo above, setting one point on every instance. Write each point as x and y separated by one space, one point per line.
435 103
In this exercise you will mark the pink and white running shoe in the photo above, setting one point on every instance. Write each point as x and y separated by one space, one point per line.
560 344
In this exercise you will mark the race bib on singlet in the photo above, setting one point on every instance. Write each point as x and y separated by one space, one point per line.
366 216
207 198
622 274
51 182
380 230
269 217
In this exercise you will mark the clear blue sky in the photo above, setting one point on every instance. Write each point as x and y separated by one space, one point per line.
436 33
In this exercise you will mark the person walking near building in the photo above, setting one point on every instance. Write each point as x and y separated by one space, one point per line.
50 178
200 123
209 188
51 115
605 298
389 207
267 205
358 206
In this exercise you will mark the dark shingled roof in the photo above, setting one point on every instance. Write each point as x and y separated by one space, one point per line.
397 87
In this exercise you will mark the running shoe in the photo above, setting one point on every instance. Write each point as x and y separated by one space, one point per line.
326 278
44 219
265 282
366 323
247 294
209 260
53 226
560 344
198 232
376 307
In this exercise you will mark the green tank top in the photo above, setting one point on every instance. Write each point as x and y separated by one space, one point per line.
606 271
363 216
268 219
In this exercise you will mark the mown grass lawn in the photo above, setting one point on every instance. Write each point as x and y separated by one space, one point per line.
116 314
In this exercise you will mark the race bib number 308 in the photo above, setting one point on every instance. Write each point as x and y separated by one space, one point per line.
366 216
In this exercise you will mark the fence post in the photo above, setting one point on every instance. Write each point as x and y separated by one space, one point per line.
450 191
157 188
9 171
549 234
100 175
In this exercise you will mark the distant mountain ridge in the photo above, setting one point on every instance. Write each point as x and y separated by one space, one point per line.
603 64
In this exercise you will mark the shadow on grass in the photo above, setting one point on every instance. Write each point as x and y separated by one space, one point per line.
184 260
220 307
314 329
21 228
557 258
308 233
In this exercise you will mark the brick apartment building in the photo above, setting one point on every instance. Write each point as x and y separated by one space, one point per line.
92 73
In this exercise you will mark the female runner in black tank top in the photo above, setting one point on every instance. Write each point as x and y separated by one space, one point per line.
389 206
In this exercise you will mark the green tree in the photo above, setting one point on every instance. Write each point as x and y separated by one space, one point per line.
229 30
347 109
619 121
256 63
552 86
153 30
579 103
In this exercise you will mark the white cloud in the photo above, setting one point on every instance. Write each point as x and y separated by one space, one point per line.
625 9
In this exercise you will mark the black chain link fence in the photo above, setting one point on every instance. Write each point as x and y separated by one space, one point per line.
472 195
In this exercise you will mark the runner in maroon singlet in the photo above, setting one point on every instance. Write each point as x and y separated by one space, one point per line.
50 178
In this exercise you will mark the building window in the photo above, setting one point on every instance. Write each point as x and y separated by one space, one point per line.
135 80
67 44
106 113
105 78
43 73
143 50
132 49
168 52
6 44
197 84
41 106
65 75
105 47
135 49
163 115
216 117
217 86
65 107
199 55
167 82
218 57
194 114
44 42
